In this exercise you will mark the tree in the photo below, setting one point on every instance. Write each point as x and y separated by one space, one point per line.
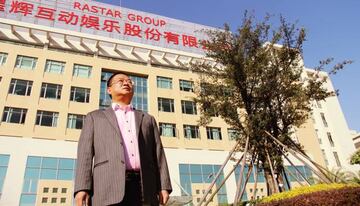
257 86
355 158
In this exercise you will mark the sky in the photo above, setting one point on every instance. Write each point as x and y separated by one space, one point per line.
333 30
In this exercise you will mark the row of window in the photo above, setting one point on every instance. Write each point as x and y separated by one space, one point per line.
166 83
49 91
192 131
53 200
58 67
43 118
167 105
51 66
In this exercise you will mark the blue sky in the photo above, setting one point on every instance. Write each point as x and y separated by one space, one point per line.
333 30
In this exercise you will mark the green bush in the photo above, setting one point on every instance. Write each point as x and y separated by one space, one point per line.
321 194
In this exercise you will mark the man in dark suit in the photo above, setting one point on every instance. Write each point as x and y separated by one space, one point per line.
120 159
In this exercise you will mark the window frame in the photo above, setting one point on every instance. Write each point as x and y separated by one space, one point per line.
44 90
191 129
188 107
21 58
78 67
164 82
161 103
163 126
41 114
3 58
183 86
76 90
211 131
8 111
49 63
72 120
16 83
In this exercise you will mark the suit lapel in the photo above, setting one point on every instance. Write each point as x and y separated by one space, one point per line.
110 115
138 119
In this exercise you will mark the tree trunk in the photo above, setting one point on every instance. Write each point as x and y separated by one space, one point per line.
269 182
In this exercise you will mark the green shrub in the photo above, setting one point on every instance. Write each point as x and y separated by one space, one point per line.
321 194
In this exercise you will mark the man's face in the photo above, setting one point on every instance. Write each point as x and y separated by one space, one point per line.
121 85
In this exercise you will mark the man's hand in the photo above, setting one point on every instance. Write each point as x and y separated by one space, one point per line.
82 198
163 197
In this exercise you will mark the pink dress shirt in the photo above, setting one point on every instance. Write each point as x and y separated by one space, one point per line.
126 120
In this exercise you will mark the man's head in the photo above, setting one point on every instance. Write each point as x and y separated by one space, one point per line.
120 88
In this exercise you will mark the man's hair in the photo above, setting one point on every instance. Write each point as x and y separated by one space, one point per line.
108 83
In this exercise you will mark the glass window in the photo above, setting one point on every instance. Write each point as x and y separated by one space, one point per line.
33 162
51 91
65 175
164 82
44 200
53 200
4 161
337 159
48 174
32 173
82 71
25 62
78 94
45 118
75 121
233 134
213 133
55 190
45 190
3 57
54 66
166 105
20 87
63 190
49 162
191 132
27 199
14 115
167 130
324 155
65 163
188 107
323 119
187 86
63 200
330 139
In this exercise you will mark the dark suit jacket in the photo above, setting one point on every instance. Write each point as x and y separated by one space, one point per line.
101 162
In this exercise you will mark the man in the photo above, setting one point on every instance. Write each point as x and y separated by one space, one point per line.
120 159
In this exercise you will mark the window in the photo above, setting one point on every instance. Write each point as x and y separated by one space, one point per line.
164 82
63 190
14 115
51 91
20 87
3 57
317 135
45 118
213 133
187 86
82 71
78 94
323 119
55 190
191 132
233 134
63 200
337 159
188 107
75 121
44 200
330 139
53 200
45 190
167 130
54 66
166 105
4 163
24 62
324 155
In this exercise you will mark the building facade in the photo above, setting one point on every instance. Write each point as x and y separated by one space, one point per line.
55 58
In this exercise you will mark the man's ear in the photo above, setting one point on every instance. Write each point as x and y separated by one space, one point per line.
108 90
